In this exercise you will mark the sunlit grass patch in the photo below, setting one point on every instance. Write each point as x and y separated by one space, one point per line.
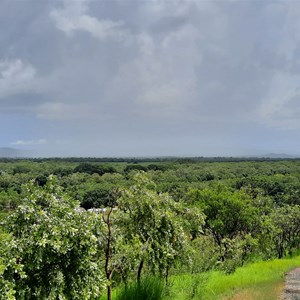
149 288
255 281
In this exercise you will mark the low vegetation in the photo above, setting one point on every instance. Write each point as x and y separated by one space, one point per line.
170 229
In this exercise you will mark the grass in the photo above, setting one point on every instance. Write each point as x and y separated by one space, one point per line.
260 280
149 288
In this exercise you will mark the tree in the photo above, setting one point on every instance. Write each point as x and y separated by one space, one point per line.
59 251
98 198
135 167
94 169
57 246
155 223
281 230
229 215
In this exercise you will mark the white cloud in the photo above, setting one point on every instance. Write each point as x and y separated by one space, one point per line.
29 142
160 81
15 77
160 9
74 17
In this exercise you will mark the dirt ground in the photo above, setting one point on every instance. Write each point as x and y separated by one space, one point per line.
263 292
291 290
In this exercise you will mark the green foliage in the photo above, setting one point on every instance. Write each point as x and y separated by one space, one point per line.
94 169
230 216
9 200
57 246
41 180
21 169
155 220
134 167
282 188
280 232
155 167
99 198
247 210
10 268
5 181
204 255
149 288
95 198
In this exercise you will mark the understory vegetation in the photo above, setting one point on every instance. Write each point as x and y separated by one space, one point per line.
173 229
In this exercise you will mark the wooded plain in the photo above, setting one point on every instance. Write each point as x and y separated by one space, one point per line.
84 228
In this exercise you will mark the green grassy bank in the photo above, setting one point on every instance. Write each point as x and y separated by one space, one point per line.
260 280
254 281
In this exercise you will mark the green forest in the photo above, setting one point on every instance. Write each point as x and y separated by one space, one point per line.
194 228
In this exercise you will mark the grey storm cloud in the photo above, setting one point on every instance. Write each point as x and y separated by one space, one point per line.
173 67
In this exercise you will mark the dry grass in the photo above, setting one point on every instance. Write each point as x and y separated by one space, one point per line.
261 292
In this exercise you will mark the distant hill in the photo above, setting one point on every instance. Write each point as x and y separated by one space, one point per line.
278 155
271 156
6 152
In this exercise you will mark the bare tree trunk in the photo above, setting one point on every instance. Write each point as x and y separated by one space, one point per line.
108 292
140 271
167 275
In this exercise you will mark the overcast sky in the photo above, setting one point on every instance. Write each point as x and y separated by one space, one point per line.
150 77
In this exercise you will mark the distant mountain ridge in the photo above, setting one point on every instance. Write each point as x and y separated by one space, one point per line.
280 155
276 155
7 152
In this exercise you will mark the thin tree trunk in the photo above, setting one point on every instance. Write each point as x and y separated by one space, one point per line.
140 271
108 292
108 272
167 275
